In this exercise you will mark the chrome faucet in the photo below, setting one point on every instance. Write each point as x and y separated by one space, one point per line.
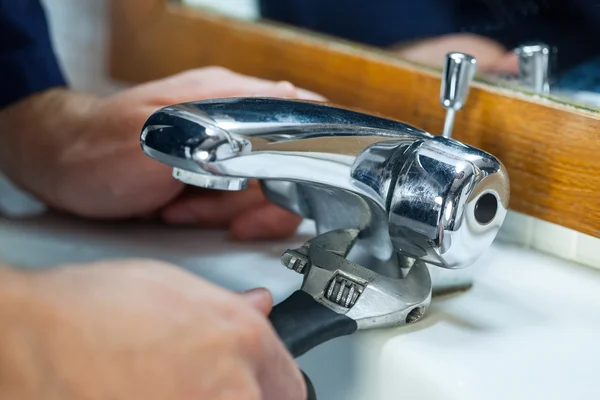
383 195
534 66
412 195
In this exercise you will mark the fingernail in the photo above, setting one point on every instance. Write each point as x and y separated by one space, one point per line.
259 298
289 90
287 87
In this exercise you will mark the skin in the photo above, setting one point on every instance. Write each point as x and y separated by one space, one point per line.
137 329
81 154
492 57
134 328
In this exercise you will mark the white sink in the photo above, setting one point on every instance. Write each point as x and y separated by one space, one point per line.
529 329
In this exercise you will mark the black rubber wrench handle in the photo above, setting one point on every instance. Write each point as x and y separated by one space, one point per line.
303 323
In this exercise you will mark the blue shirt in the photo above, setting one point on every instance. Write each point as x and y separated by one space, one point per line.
27 61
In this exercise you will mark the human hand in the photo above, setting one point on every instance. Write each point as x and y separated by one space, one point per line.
491 56
82 155
137 330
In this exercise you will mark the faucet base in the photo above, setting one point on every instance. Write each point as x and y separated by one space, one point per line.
444 281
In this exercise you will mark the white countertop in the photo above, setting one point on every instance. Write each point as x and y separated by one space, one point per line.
528 329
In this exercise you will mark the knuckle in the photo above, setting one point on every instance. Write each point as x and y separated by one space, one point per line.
286 89
252 333
253 392
203 75
250 388
286 85
197 74
237 381
215 70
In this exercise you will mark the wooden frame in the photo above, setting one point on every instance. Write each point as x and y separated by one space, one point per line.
550 149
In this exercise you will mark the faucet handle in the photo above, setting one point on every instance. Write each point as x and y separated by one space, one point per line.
459 71
534 66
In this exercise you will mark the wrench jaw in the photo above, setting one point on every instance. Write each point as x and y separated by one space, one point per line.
394 302
371 299
338 242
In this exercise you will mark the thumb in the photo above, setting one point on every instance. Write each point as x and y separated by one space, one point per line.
260 299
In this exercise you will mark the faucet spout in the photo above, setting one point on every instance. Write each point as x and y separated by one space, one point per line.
263 140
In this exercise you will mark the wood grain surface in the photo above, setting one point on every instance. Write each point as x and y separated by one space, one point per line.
550 149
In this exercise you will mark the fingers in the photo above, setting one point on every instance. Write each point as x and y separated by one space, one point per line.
288 90
216 82
210 343
279 375
304 94
212 209
276 371
247 214
266 221
260 299
432 51
507 64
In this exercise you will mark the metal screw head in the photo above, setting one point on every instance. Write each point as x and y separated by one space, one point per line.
459 71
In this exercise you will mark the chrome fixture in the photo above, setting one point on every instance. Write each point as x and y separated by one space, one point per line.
412 195
534 67
459 70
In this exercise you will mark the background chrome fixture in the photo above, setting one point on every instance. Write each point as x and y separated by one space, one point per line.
534 67
459 70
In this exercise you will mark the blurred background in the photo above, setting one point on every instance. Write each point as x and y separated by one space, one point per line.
80 32
544 46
